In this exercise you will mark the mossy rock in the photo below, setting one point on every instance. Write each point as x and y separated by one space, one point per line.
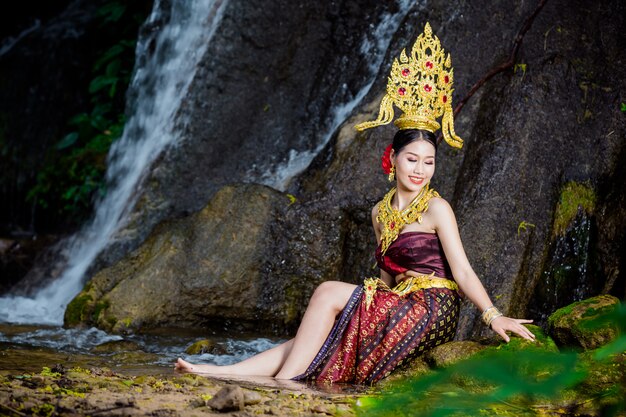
569 326
78 310
116 346
542 342
452 352
205 346
412 369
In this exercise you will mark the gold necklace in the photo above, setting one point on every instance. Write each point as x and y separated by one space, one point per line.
394 220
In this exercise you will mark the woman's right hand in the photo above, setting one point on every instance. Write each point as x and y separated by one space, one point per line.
504 324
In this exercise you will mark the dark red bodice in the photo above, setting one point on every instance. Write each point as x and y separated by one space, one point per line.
416 251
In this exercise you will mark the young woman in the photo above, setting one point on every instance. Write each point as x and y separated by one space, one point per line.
361 333
370 339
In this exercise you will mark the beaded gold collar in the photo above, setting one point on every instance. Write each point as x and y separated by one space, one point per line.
394 220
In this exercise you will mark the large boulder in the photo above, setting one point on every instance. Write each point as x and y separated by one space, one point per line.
200 270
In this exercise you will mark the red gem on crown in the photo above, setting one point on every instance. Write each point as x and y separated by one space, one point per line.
429 65
406 72
428 88
444 99
401 91
446 79
392 225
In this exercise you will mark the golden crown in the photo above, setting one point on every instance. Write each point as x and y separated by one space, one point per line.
420 86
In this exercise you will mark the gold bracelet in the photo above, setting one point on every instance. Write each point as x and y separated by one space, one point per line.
490 314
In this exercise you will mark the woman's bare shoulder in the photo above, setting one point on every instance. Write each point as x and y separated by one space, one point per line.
439 207
375 210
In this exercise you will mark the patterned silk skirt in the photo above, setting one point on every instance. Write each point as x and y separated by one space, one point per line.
381 328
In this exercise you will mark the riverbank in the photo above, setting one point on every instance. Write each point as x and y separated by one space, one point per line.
72 386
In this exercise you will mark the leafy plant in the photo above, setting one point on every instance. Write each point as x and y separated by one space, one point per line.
527 382
73 172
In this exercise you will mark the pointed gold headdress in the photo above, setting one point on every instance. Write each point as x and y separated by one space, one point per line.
420 86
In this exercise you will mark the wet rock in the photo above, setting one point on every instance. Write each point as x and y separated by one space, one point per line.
116 346
569 326
452 352
205 346
229 398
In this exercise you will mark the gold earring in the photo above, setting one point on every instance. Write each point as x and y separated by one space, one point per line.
392 173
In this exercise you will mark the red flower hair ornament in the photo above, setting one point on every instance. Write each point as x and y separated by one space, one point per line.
386 159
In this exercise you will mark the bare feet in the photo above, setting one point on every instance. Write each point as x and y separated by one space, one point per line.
184 366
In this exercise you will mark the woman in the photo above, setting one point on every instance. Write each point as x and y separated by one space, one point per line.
359 334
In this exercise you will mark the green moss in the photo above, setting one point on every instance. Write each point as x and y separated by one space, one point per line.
573 196
542 342
591 306
45 410
100 307
77 310
577 325
293 302
45 371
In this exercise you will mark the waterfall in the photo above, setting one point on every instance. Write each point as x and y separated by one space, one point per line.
160 82
375 50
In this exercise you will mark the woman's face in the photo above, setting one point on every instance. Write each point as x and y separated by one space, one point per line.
415 165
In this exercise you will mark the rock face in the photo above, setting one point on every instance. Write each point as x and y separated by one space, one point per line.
570 325
206 257
271 89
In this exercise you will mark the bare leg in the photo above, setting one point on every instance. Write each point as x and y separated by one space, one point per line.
266 363
294 356
328 300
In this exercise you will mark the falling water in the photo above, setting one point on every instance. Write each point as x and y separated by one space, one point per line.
375 50
159 84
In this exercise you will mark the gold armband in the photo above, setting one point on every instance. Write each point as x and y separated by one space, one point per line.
490 314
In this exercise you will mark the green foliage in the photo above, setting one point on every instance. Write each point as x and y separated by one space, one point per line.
523 226
292 199
622 107
507 382
73 172
45 371
522 68
573 195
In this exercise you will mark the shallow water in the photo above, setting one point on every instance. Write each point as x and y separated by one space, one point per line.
162 347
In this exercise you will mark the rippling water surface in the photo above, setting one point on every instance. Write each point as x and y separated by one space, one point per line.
162 347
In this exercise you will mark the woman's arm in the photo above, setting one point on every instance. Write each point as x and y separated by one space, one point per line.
445 224
384 276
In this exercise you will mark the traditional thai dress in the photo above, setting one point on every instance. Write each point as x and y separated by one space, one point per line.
381 328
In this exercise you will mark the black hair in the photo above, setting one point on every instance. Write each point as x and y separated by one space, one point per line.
405 136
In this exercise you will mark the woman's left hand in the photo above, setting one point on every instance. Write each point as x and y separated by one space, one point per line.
504 324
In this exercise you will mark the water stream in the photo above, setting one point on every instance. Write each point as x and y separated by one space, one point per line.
374 45
158 349
158 86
